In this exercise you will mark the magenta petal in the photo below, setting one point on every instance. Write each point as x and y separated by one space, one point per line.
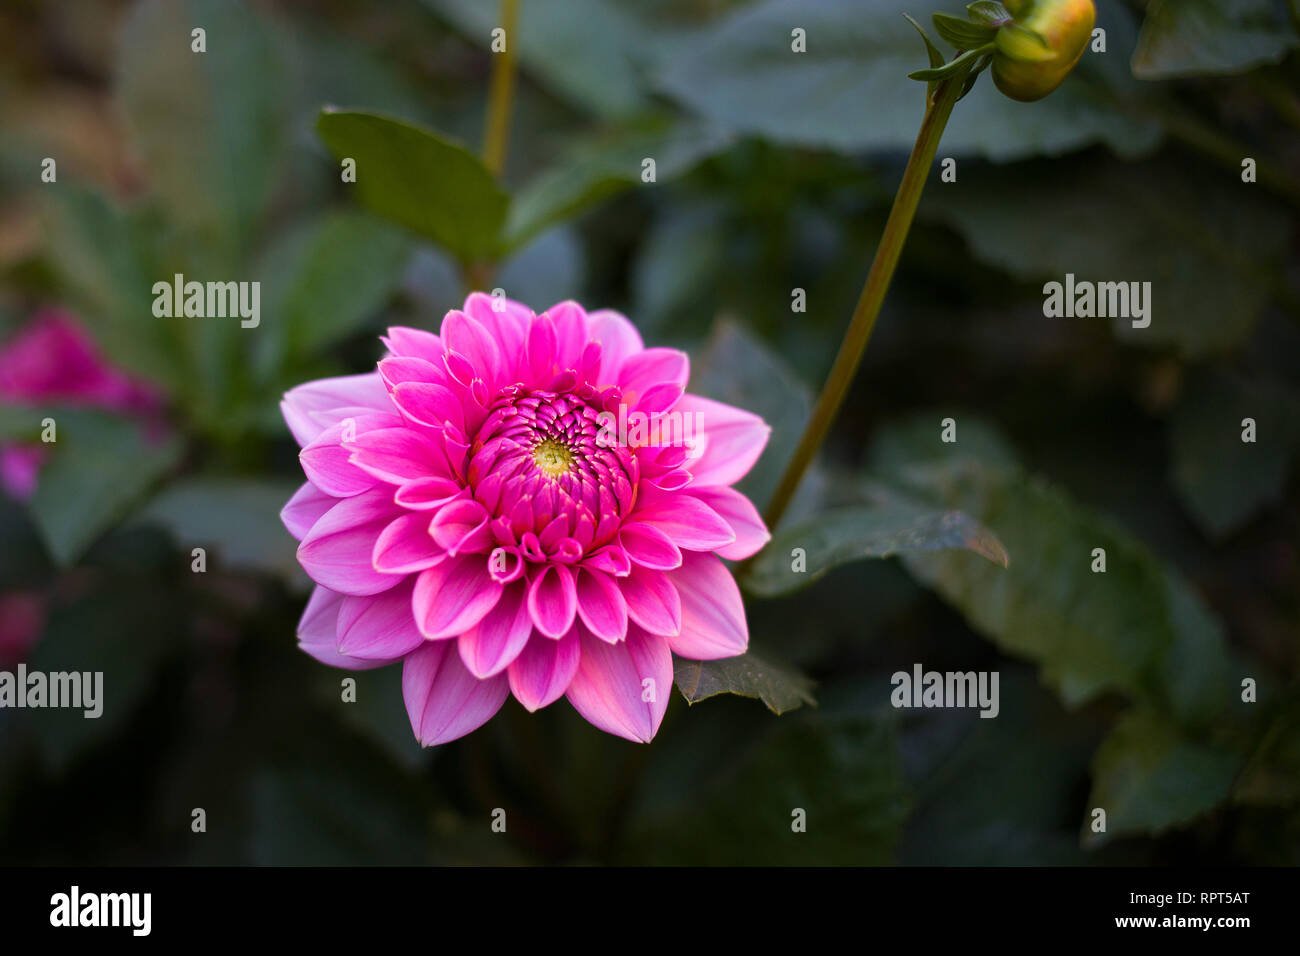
443 699
326 459
318 631
452 597
743 518
467 337
405 546
623 688
427 403
619 340
461 527
542 671
304 509
416 343
337 551
310 409
379 628
713 614
553 600
601 605
398 455
652 600
493 644
733 440
424 494
644 370
570 321
688 521
649 547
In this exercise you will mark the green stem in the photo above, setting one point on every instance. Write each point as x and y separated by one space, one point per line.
501 97
938 108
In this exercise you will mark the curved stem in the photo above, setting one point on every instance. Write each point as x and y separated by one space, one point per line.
938 108
502 94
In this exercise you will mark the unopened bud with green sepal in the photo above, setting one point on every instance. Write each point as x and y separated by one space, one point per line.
1042 44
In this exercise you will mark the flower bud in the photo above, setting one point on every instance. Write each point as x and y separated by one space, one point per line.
1024 67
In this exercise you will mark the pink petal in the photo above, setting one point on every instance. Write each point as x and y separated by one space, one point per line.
462 527
623 688
553 600
733 440
742 517
543 670
311 408
318 631
379 628
326 462
427 403
619 340
398 455
443 699
452 597
649 546
688 521
424 494
304 509
405 545
493 644
713 614
652 600
507 321
470 338
601 605
337 551
416 343
570 321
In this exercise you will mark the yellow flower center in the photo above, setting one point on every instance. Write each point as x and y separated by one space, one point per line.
552 457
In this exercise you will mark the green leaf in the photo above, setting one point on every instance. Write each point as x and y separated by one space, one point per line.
931 51
844 775
736 368
415 177
1136 628
1211 37
848 534
848 92
988 11
112 632
1150 778
584 50
780 687
604 165
1272 776
212 127
326 277
1205 248
97 250
98 467
963 34
1015 775
1222 480
238 519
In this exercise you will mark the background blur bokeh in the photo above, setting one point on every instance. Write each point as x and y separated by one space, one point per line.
775 171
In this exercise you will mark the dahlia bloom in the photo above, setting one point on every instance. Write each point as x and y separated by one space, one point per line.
527 504
54 359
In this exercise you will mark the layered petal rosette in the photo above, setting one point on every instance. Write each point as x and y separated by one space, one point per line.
523 503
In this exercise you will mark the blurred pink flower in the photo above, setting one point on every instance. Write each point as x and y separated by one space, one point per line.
22 618
54 359
523 503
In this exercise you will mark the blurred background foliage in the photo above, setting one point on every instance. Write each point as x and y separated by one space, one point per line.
774 172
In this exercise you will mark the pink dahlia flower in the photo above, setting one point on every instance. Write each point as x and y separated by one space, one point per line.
54 359
527 504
